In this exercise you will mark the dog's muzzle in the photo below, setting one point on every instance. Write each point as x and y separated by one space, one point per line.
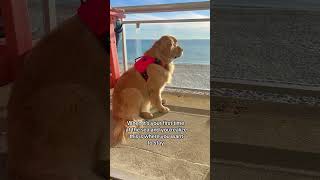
179 52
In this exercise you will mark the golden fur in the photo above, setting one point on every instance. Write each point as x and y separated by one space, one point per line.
58 111
133 95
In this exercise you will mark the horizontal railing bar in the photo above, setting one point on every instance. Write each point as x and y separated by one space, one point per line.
166 21
204 5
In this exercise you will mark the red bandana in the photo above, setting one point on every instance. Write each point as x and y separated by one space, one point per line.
94 13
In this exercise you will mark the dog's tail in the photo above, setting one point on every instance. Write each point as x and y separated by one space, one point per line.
118 134
126 107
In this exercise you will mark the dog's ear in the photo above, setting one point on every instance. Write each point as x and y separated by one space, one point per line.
164 45
166 41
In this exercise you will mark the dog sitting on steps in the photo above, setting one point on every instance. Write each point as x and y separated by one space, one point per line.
141 86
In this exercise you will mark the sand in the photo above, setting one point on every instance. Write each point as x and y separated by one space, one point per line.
191 76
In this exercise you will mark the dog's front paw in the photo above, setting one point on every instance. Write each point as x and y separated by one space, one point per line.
164 109
146 115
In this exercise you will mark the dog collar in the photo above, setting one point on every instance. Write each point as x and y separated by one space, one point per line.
94 14
142 64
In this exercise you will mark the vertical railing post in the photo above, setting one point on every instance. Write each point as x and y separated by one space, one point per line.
114 64
124 48
49 15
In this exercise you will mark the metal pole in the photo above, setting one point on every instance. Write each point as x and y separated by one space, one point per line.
124 48
204 5
49 15
166 21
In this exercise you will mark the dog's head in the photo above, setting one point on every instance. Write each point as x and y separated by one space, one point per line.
167 49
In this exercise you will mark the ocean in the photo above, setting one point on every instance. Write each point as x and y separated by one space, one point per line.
195 51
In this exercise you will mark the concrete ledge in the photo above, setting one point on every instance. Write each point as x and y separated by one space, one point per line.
187 158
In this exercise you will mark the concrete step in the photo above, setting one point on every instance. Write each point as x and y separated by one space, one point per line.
187 158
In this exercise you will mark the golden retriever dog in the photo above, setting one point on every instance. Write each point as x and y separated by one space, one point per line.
58 109
135 92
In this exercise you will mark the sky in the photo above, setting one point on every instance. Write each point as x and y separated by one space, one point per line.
199 30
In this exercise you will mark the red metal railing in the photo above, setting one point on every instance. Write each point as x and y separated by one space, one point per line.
114 63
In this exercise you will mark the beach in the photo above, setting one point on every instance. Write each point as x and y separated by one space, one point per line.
191 76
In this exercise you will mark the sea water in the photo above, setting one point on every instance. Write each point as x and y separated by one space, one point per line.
195 51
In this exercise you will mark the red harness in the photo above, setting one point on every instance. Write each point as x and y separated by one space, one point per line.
142 64
94 13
